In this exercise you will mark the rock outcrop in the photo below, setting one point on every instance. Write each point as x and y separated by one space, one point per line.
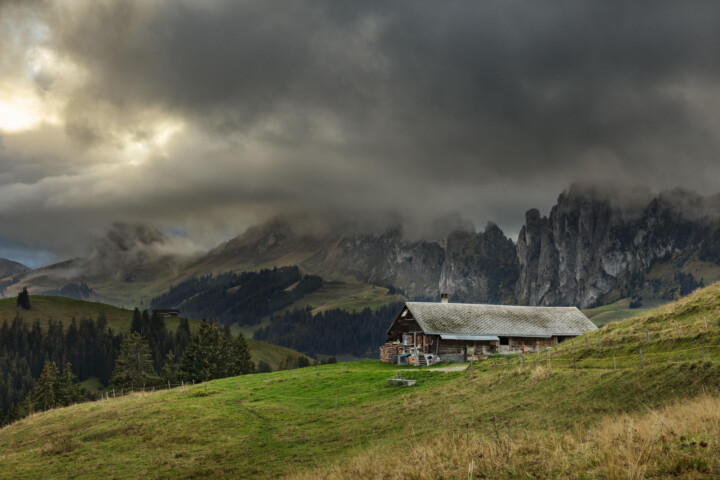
591 242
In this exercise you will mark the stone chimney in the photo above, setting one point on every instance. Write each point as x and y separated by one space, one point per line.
443 298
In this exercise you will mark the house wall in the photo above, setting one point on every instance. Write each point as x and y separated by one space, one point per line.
462 350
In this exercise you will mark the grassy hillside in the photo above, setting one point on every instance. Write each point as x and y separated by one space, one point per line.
64 309
619 310
343 295
507 417
269 353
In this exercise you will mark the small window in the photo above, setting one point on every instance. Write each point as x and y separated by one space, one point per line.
504 340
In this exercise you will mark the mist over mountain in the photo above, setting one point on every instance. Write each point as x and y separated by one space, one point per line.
597 244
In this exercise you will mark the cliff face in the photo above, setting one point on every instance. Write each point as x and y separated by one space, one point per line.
591 244
478 267
473 267
588 244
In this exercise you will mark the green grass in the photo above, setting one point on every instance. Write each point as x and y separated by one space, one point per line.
619 310
269 353
119 319
92 384
269 426
63 308
343 295
44 307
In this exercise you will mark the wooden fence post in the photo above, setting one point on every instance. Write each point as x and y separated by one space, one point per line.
205 387
614 364
587 341
703 348
574 365
706 326
522 357
677 330
572 343
647 337
168 384
598 342
113 392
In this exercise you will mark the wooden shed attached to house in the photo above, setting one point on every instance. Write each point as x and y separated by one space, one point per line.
426 332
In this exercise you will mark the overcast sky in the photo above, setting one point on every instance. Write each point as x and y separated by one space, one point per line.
205 117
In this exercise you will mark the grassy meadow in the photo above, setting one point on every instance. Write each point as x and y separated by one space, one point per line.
44 307
64 309
506 417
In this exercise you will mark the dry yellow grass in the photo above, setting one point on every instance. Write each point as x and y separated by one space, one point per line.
681 440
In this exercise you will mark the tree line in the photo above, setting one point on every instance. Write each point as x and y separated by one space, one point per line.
331 332
150 355
239 297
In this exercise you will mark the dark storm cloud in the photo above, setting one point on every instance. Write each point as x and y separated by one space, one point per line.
415 108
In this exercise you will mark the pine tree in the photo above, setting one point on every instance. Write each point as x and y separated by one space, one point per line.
214 353
45 394
136 324
68 391
134 365
170 369
202 356
23 300
241 356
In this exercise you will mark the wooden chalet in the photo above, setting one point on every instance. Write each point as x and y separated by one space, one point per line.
427 332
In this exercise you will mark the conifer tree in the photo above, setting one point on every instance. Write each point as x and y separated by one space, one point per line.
23 300
241 356
45 394
67 391
134 365
214 353
136 324
170 369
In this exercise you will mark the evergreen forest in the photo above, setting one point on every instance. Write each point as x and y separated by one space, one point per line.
242 298
331 332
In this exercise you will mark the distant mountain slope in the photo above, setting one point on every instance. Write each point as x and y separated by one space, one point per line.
594 248
9 267
243 298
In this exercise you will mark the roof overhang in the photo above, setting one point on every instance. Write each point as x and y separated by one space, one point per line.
475 338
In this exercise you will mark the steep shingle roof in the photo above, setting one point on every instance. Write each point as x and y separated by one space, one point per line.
504 320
